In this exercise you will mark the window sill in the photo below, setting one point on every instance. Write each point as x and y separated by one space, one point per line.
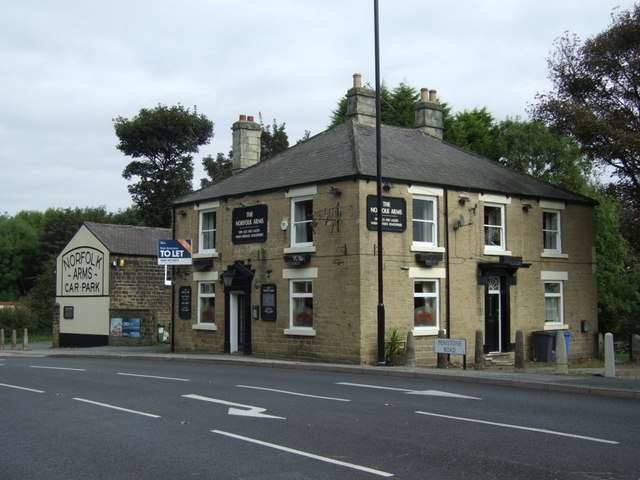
416 247
425 331
554 255
300 332
211 254
491 251
556 326
205 326
309 249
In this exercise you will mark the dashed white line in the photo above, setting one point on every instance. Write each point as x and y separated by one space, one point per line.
21 388
304 454
154 376
520 427
59 368
295 393
106 405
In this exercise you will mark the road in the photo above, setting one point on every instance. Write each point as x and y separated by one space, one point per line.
79 418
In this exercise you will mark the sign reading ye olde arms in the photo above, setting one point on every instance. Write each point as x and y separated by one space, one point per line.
249 225
83 272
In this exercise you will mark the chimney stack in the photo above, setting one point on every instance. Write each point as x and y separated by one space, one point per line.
361 102
428 114
246 143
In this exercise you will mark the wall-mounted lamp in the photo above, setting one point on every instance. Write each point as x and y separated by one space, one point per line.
182 213
227 278
526 207
335 191
462 200
386 186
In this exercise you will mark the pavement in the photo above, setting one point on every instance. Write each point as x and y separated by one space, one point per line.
580 380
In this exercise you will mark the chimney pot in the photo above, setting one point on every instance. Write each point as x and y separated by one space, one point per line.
357 80
250 118
243 118
433 96
424 94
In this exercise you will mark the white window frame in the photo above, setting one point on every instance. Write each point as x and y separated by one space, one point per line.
202 232
296 329
501 227
548 296
295 222
557 232
427 330
200 325
432 223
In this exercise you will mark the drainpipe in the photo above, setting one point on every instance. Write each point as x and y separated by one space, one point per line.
447 263
173 283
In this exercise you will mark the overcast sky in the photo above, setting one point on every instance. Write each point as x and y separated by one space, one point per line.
67 68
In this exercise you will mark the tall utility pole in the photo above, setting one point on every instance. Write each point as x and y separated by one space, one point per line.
381 327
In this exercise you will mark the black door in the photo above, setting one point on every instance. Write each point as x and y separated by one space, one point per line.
493 315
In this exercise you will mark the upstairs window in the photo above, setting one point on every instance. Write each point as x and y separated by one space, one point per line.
494 227
424 220
551 231
302 228
207 231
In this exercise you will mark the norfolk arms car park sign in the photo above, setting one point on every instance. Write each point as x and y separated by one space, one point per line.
174 252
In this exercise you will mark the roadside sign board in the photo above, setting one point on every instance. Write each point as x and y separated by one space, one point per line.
451 346
174 252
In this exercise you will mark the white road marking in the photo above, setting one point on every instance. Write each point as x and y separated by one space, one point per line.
154 376
59 368
21 388
100 404
236 408
433 393
520 427
305 454
295 393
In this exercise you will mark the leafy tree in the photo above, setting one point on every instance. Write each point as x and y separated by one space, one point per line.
596 98
18 245
473 130
216 169
273 140
161 140
530 147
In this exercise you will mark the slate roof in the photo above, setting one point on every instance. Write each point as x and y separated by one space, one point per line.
129 240
408 156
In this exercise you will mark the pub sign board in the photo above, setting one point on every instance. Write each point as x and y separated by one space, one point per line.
184 302
394 213
268 302
249 224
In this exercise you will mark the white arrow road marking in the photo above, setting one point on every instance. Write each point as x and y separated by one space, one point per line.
100 404
304 454
520 427
295 393
236 408
433 393
154 376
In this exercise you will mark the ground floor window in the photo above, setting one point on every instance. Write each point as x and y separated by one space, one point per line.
206 302
553 302
301 302
425 304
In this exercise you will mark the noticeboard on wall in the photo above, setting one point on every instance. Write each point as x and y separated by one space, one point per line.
184 302
268 298
394 213
125 327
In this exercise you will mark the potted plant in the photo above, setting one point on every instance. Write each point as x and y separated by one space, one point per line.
394 348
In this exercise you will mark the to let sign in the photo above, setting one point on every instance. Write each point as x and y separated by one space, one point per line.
451 346
174 252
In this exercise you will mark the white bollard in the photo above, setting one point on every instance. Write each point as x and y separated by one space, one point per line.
609 356
562 366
